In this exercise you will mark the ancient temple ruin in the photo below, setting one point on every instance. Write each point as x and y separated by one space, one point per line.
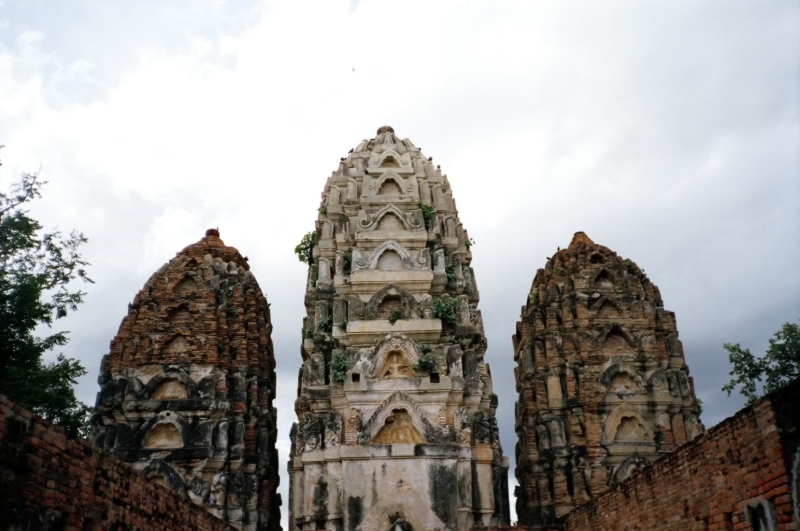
396 416
602 381
187 388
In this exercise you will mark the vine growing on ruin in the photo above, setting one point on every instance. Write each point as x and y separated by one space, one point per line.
428 211
347 261
446 309
426 363
338 366
397 314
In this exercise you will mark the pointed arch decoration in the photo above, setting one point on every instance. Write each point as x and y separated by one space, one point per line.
407 185
616 417
187 285
604 303
399 400
616 328
605 275
621 367
411 221
410 304
390 159
391 343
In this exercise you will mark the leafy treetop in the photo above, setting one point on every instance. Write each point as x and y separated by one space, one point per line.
36 271
779 365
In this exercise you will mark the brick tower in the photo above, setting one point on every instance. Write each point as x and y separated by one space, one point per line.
187 388
396 416
602 381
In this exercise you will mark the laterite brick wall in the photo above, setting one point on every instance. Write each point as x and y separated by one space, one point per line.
742 474
49 482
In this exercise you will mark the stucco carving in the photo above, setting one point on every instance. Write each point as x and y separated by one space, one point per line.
379 359
599 364
169 391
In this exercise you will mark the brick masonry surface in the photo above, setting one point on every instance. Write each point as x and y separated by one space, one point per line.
49 482
742 474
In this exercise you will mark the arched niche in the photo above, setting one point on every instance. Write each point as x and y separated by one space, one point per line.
397 350
390 187
626 423
405 186
604 279
388 304
180 316
390 260
403 220
186 286
597 258
170 382
398 401
170 389
409 303
390 245
389 159
396 365
163 435
630 429
398 428
622 378
615 341
609 309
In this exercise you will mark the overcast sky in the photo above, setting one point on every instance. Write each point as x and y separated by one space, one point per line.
668 131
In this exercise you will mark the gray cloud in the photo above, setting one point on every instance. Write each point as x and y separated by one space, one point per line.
668 131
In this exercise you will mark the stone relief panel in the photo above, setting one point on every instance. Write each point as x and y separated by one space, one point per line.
402 259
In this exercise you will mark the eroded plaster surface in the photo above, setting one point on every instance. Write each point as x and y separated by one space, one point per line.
396 415
604 387
187 387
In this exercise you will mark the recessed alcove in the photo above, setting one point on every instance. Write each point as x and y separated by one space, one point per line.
398 429
163 435
170 389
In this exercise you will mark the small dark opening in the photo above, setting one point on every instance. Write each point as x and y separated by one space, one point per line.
15 431
434 377
356 377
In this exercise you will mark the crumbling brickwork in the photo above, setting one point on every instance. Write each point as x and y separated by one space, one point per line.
187 388
741 475
49 482
602 381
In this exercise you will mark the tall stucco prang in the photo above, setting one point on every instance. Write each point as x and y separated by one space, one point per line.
396 415
602 380
187 388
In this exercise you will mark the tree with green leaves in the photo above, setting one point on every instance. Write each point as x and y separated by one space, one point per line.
36 273
776 368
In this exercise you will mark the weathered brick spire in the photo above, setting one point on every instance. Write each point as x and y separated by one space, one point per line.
396 412
187 388
602 380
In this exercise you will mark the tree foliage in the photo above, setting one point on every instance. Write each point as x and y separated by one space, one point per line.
36 270
779 365
446 309
304 249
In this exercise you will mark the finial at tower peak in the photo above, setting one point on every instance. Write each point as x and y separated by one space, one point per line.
385 129
581 237
212 232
